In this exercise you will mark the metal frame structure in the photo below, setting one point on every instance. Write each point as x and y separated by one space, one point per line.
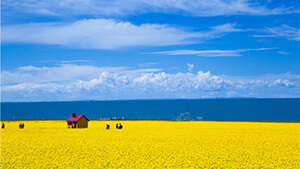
185 117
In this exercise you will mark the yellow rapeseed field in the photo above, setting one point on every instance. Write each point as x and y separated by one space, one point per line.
151 144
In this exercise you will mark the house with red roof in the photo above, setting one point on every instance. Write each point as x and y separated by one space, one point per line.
77 121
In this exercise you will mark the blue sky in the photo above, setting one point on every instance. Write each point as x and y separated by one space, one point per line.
167 49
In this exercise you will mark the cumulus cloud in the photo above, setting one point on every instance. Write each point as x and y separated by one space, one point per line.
284 31
141 84
190 66
145 82
210 53
129 7
63 72
105 34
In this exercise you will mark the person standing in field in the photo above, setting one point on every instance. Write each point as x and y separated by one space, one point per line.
120 126
3 125
117 127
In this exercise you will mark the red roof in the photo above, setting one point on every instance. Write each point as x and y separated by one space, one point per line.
76 118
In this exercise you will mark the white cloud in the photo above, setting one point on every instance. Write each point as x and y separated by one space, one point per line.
284 31
76 61
204 53
63 73
144 82
228 27
190 66
106 80
142 65
105 34
282 82
283 52
137 84
265 81
210 53
128 7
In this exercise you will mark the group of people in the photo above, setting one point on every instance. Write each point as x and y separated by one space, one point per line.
21 125
118 126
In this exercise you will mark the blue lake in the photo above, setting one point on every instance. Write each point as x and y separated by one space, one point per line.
209 109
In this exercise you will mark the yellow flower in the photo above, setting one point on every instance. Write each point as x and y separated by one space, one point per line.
150 144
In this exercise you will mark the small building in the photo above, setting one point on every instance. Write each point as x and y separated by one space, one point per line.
77 121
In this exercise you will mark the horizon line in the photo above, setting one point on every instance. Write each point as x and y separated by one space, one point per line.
150 99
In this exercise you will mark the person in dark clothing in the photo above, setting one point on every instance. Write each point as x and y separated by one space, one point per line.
3 125
107 126
120 126
21 125
117 127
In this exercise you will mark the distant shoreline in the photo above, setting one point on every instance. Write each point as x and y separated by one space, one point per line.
125 100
